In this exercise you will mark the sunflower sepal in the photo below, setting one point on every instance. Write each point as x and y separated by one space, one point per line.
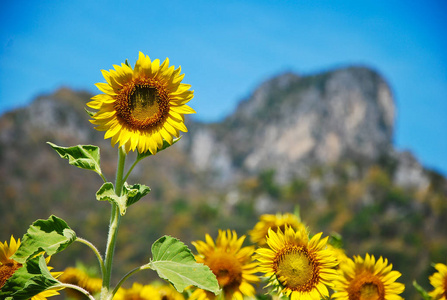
89 112
274 287
336 240
166 144
82 156
51 236
129 195
174 261
29 280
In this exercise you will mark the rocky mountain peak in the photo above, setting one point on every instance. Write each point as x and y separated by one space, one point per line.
260 99
291 122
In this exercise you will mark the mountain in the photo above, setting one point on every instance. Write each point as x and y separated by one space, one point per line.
291 123
321 142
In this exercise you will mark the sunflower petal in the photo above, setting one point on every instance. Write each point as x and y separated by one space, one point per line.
183 109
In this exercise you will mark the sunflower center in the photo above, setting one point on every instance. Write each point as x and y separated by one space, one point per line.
227 269
295 269
143 102
366 286
7 270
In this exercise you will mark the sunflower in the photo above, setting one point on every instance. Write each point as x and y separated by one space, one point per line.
231 263
296 266
167 292
439 281
80 278
259 232
7 251
141 107
149 292
137 292
8 266
368 279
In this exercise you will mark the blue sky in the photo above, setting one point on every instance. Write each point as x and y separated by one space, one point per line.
227 48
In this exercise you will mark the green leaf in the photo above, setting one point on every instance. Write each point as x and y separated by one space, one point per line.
107 193
31 279
52 236
140 156
129 195
135 192
174 261
82 156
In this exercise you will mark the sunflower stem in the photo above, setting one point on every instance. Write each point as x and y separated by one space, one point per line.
130 273
75 287
131 168
95 250
103 177
113 227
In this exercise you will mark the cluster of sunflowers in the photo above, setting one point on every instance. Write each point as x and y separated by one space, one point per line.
291 262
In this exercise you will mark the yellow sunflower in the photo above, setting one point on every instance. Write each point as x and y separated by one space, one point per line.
296 266
141 107
231 263
168 292
439 281
368 279
8 266
259 232
148 292
7 251
137 292
80 278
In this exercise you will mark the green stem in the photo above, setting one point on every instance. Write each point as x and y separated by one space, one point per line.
136 270
114 225
131 168
95 250
221 296
75 287
103 177
120 171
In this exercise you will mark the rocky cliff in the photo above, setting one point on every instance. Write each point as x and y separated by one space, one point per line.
291 123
